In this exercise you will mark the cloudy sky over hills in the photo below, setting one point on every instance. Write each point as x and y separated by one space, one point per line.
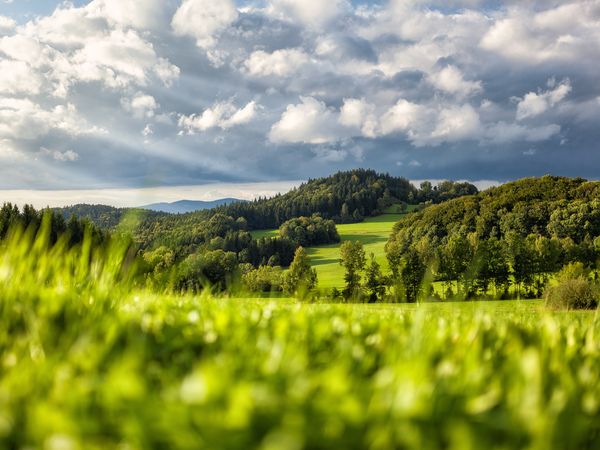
132 93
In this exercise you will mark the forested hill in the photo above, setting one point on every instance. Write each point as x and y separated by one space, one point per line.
103 216
344 197
518 233
12 218
548 206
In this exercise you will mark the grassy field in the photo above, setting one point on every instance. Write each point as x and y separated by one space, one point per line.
91 360
373 233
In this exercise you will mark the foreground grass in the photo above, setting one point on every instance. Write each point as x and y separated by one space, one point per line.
373 233
90 361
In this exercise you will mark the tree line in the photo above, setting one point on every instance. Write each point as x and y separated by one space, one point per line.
13 218
212 245
343 197
502 242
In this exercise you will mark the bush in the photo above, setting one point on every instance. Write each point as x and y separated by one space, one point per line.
301 277
215 269
573 271
264 279
574 293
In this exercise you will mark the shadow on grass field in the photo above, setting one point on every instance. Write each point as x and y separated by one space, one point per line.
373 233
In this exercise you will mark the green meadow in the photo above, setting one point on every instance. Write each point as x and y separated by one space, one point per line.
373 233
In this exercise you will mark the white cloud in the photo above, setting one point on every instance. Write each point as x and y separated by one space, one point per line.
115 57
310 122
140 14
22 119
222 115
68 27
450 79
568 32
30 50
359 114
455 123
204 19
120 59
17 77
148 130
503 133
8 152
533 104
7 25
57 155
242 116
403 116
311 13
423 36
410 71
281 63
140 105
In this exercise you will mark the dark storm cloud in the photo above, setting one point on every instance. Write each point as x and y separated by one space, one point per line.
94 96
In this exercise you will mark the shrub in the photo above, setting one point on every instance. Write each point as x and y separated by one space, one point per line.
301 277
215 269
264 279
573 293
573 271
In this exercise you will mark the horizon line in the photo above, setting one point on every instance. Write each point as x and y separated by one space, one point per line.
136 197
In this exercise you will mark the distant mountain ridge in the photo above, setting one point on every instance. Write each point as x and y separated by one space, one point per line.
188 206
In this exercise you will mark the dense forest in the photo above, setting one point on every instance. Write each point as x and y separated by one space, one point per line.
306 215
28 218
513 235
343 197
505 241
106 217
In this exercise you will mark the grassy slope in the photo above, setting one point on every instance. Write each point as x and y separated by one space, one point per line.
373 233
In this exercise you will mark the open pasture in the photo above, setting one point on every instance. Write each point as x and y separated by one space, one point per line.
373 233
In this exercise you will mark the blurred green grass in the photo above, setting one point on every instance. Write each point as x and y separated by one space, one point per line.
89 359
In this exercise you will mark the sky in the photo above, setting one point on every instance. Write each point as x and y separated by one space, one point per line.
136 94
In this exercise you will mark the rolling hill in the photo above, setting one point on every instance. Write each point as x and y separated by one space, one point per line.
188 206
346 197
